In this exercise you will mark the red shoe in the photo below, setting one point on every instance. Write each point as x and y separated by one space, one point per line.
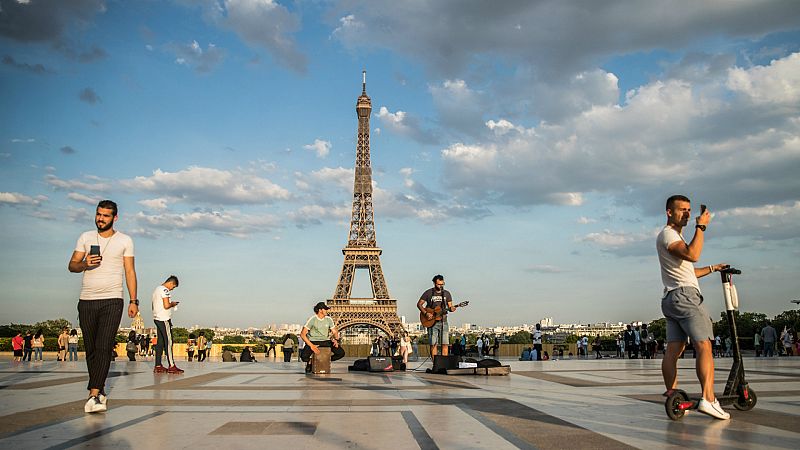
174 369
159 369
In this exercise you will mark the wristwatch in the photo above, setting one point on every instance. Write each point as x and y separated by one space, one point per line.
702 227
135 302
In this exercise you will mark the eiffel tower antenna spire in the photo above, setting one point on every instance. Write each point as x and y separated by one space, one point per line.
362 251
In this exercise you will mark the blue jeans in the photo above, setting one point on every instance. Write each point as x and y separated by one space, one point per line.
72 349
37 353
769 349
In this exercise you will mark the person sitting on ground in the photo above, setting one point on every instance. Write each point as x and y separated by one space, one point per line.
526 354
227 356
545 357
246 356
320 331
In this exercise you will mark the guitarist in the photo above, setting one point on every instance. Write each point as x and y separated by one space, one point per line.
437 296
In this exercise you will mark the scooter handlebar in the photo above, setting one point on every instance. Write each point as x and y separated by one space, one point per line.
731 271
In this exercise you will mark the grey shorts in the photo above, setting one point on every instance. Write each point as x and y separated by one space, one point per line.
439 333
686 317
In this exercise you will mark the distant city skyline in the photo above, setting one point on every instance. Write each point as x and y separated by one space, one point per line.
524 150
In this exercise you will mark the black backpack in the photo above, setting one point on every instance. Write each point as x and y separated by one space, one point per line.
359 365
489 362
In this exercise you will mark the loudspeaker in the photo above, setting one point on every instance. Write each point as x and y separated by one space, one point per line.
443 363
380 364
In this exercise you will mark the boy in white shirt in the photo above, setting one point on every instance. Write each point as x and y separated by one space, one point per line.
162 317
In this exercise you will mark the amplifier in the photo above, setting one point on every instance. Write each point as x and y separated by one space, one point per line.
380 364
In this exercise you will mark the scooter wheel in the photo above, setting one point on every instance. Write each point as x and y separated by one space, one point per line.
672 405
748 403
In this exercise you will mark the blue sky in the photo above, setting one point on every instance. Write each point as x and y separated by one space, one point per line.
522 149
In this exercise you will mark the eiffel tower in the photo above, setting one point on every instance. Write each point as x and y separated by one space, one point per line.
362 251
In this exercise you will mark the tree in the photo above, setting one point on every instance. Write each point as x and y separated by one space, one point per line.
52 328
658 329
233 340
180 335
209 333
520 337
788 319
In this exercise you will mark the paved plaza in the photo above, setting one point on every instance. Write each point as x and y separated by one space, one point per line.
573 404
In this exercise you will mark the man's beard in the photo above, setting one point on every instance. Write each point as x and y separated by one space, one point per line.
106 227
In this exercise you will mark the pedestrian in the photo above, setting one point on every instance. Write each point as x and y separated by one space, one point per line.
480 347
769 336
405 348
682 301
788 344
130 345
17 343
596 346
190 347
63 340
272 349
72 345
630 340
537 341
27 348
620 353
728 346
288 348
645 339
585 342
208 349
38 345
757 343
163 307
717 346
202 342
301 344
103 256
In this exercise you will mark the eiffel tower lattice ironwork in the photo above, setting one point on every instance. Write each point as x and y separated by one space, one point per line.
362 251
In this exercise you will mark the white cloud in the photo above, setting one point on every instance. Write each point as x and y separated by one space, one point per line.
264 24
766 222
585 220
622 243
778 83
229 223
316 214
404 125
192 55
544 268
81 198
15 198
320 147
157 204
459 106
210 186
93 184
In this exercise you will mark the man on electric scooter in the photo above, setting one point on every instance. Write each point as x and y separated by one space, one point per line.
682 301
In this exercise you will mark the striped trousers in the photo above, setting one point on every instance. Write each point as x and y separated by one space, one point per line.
164 344
99 323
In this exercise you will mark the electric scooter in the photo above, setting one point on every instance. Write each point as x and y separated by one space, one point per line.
737 392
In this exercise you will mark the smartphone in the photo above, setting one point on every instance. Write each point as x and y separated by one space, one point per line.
702 209
94 250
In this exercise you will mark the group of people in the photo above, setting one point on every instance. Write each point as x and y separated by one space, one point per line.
32 344
767 342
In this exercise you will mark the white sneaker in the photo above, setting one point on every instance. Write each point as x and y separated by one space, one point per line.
103 398
93 405
713 409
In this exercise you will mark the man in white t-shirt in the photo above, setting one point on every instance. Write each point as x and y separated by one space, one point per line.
163 308
681 303
537 341
103 256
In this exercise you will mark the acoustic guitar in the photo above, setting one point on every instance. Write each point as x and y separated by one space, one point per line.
437 314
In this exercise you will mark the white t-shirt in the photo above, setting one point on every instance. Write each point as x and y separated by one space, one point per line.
537 336
675 272
159 313
105 280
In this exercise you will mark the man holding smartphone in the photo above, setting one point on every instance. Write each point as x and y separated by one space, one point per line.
682 302
163 308
104 257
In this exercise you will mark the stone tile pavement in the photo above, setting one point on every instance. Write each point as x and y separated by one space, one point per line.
571 404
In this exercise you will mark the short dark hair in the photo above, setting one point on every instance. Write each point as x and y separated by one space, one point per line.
108 204
174 279
437 277
676 198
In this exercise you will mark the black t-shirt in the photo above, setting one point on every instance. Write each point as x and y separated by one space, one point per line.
433 299
28 341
